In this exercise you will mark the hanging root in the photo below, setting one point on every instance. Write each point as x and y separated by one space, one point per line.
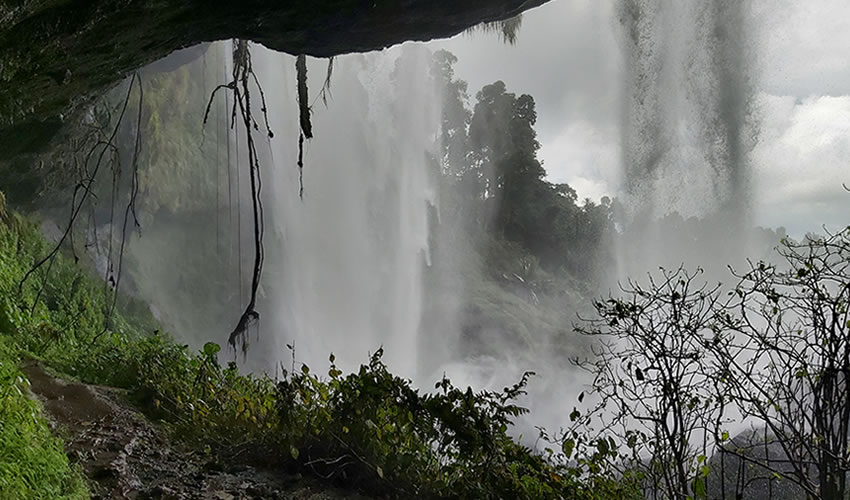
303 103
242 76
508 29
304 116
326 87
82 192
301 166
130 210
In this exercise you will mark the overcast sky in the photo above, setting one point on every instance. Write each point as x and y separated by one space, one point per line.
568 57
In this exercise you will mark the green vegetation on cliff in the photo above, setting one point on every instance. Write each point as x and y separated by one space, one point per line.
32 462
368 430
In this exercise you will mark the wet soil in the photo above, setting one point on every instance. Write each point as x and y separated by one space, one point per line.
125 456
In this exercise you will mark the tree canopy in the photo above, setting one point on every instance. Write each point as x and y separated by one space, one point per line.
494 178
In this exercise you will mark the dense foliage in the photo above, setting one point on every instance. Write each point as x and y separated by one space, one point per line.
492 178
369 430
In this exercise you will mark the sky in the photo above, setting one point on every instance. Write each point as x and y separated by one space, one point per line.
568 57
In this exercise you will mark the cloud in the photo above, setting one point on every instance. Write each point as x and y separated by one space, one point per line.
802 46
566 56
801 162
586 156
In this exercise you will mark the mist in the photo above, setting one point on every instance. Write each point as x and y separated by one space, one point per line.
376 253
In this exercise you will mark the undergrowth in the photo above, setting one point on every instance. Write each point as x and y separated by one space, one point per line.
369 430
32 462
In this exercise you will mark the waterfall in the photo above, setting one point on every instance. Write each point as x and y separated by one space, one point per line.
344 265
687 128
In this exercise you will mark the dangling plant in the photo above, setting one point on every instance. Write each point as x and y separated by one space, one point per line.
242 76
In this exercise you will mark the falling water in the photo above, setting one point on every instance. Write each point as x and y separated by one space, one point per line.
345 266
345 263
686 131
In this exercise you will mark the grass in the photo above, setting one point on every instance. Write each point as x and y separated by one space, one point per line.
33 464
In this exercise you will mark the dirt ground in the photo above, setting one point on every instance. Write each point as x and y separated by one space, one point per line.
125 456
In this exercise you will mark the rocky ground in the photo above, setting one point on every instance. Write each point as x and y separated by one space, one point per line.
125 456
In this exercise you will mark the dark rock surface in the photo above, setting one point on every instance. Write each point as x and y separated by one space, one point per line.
55 53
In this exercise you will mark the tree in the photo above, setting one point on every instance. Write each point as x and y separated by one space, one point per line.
650 377
502 137
676 364
455 120
783 341
493 181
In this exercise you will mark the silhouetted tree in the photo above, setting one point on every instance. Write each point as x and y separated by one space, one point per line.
493 179
783 340
652 379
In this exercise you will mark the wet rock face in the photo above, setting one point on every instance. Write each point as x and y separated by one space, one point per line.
53 54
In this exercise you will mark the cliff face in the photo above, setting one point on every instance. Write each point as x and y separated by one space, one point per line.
55 53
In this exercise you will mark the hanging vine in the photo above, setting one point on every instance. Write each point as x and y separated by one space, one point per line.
305 109
129 210
242 76
83 192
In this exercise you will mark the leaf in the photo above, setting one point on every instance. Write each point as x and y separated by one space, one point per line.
639 374
294 452
567 447
211 349
581 397
380 471
699 487
602 447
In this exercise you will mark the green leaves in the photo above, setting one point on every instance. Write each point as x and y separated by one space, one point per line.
567 447
211 349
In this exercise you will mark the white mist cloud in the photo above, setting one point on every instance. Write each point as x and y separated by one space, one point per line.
586 156
801 161
802 46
